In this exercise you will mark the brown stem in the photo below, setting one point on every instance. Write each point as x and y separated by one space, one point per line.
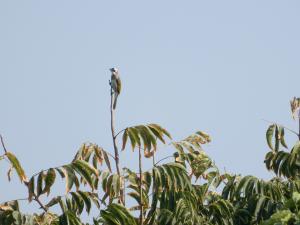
112 124
36 198
141 188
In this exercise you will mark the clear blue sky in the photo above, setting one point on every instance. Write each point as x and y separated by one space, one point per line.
216 66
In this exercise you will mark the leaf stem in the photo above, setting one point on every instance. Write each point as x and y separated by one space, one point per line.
170 156
3 145
35 174
18 199
119 132
36 198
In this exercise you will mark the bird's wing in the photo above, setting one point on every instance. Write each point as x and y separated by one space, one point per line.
119 85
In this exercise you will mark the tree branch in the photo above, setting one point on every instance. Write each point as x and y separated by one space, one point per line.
112 125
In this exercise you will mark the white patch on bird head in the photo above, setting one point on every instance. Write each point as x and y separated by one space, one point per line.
113 70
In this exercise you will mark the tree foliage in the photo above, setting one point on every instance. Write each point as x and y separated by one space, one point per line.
187 189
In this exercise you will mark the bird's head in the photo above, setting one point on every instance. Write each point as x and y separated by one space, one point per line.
113 70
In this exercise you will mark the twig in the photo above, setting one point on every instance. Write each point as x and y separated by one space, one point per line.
163 159
35 174
36 198
18 199
3 145
119 132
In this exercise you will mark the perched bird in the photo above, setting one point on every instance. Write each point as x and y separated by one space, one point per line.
115 84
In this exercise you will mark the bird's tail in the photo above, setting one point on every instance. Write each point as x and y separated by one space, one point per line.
115 101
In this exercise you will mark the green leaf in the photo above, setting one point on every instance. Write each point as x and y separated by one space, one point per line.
70 177
39 187
61 172
116 184
78 201
160 129
147 137
69 218
132 137
269 135
85 170
277 138
116 214
282 141
49 180
17 166
107 161
157 132
86 200
53 202
124 139
30 189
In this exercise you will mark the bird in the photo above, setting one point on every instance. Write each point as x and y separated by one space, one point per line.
115 84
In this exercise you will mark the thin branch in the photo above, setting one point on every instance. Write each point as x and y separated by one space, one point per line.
3 145
119 132
35 174
113 133
18 199
163 159
36 198
294 132
112 124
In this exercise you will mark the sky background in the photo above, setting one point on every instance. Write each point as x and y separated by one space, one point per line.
216 66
